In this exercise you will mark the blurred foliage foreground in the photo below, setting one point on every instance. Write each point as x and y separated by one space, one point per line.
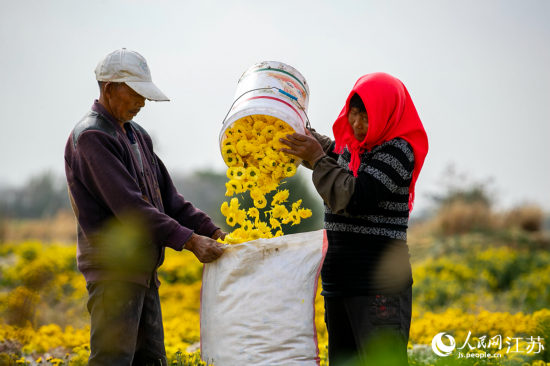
480 276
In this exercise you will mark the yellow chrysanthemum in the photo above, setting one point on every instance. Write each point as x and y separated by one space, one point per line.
274 223
229 150
230 173
279 212
229 141
270 119
225 209
247 225
295 217
281 126
253 212
259 126
241 216
263 228
251 135
239 136
271 186
235 185
248 185
230 239
268 132
230 160
279 233
239 173
229 190
304 213
256 193
260 202
277 173
254 234
280 197
264 168
296 205
234 205
255 163
231 219
290 170
239 128
277 145
241 148
272 153
240 233
283 157
239 161
252 173
269 163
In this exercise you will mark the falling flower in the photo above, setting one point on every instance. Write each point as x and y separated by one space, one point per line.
239 173
280 197
290 170
260 202
279 211
253 173
304 213
275 223
255 165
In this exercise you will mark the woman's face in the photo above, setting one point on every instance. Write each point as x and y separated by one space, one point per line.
359 122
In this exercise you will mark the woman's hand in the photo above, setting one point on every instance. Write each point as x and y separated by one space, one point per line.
305 147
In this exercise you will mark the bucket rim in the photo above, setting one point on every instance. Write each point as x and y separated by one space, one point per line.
277 66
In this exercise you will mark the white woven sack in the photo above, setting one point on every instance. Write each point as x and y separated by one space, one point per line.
258 302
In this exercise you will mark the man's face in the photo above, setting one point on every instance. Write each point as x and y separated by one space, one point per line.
359 122
124 102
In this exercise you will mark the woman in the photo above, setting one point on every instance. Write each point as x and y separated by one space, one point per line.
366 177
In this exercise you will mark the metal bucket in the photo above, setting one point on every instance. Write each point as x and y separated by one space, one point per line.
270 88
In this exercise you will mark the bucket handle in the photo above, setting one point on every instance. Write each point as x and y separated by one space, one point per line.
308 125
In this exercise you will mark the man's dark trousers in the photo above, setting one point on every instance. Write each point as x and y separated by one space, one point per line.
126 324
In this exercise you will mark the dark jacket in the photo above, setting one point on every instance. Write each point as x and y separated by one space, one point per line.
366 219
126 216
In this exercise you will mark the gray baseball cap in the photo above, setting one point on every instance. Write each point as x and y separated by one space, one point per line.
129 67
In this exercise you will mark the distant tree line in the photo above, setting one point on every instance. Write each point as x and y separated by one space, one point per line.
41 197
44 195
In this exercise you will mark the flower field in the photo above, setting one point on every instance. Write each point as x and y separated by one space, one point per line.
475 286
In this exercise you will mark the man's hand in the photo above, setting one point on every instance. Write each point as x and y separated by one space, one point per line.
205 249
218 234
303 146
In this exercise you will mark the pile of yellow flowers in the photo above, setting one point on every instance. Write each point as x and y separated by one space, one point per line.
251 151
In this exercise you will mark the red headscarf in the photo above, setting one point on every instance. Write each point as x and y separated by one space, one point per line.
391 114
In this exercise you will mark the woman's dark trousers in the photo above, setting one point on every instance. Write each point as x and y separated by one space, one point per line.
368 330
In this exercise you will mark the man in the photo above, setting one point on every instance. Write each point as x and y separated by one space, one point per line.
127 211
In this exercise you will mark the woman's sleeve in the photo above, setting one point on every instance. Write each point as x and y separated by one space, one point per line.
389 171
326 143
333 183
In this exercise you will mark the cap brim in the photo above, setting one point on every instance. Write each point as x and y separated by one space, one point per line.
148 90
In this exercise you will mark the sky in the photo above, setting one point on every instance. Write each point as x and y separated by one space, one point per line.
477 71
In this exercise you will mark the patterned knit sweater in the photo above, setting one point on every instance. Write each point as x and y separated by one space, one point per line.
368 252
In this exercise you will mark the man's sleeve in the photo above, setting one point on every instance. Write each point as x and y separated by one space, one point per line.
98 164
181 210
